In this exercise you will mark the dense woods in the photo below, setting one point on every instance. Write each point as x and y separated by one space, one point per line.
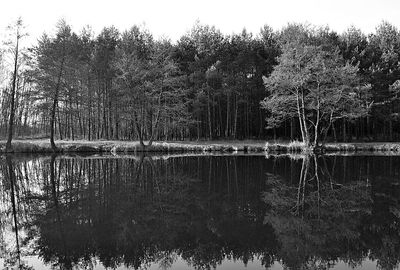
299 82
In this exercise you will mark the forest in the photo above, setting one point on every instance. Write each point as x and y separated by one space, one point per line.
301 82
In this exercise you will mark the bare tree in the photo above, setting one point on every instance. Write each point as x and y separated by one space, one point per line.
17 28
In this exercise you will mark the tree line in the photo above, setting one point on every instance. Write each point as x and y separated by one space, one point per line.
299 82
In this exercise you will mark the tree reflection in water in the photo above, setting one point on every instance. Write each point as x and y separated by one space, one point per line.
326 218
12 257
305 211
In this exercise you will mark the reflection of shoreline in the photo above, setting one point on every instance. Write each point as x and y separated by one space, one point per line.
114 208
246 146
205 208
156 156
325 214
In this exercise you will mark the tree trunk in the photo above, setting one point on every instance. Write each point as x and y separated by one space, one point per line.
316 127
153 128
55 104
227 116
236 118
292 129
138 129
12 105
59 124
306 139
209 115
300 113
344 131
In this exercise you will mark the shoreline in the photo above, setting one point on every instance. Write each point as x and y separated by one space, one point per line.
249 146
81 146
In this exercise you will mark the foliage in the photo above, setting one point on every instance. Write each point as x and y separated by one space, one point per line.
130 86
316 86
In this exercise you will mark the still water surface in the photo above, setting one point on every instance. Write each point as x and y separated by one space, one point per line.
200 212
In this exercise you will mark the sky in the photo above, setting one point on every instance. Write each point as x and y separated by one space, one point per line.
173 18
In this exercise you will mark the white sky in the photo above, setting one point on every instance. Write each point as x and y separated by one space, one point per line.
172 18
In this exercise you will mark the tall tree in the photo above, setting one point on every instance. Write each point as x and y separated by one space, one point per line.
104 56
18 33
52 56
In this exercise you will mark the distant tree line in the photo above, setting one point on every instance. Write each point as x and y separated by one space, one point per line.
296 82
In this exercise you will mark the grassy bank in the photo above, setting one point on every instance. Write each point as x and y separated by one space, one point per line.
295 147
43 146
249 146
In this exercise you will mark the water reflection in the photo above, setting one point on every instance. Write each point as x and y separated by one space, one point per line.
304 212
341 209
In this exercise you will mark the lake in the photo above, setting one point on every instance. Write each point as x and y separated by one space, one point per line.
200 212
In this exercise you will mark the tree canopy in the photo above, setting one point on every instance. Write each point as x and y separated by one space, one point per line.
129 85
315 85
